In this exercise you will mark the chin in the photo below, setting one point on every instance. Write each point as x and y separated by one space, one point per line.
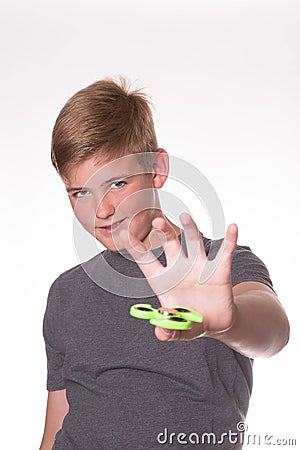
109 244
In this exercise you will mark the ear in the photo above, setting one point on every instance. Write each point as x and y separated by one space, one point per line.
160 168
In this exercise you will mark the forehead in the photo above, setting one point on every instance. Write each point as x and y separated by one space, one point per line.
93 171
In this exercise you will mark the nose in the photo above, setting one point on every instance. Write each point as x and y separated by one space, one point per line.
105 207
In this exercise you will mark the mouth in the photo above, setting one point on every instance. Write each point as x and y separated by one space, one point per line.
108 229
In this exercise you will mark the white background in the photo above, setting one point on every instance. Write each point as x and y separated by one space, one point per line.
224 78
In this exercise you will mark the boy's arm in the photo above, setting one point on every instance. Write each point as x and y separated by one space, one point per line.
57 408
260 326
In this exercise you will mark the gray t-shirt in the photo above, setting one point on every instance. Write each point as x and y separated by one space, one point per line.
128 390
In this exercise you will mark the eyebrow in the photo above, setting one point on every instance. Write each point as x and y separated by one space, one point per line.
118 177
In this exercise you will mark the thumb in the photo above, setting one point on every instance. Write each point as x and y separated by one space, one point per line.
164 334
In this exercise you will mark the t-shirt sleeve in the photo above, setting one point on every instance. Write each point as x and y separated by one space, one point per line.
246 266
53 340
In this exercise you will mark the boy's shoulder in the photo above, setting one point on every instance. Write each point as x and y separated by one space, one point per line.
77 273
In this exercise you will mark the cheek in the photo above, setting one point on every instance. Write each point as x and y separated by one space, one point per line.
85 214
136 202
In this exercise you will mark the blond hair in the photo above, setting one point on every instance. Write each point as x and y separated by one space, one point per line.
106 119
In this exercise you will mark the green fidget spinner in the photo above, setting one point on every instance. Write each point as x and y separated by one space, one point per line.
173 318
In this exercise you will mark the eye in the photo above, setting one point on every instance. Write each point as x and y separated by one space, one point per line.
81 194
118 184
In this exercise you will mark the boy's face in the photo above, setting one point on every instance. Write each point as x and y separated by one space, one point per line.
108 197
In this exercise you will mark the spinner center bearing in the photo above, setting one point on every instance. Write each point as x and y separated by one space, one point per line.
167 311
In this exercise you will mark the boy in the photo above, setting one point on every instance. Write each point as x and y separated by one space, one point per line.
112 382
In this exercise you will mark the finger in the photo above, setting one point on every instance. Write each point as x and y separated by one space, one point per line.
145 259
220 266
161 223
164 334
193 237
224 256
230 240
172 245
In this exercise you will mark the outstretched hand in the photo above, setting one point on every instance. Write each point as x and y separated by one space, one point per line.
182 282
